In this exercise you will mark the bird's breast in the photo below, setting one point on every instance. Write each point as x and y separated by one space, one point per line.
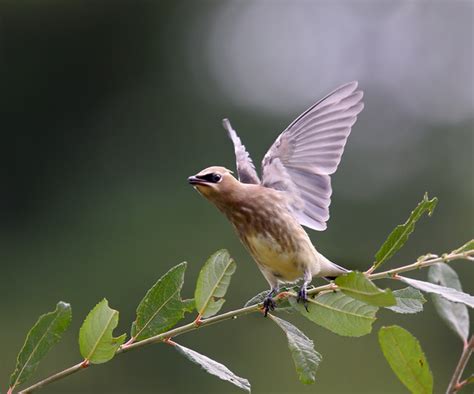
276 241
270 251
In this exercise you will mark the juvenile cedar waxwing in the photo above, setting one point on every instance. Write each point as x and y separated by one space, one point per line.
295 191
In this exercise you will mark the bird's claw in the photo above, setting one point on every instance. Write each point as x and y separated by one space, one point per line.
268 305
303 297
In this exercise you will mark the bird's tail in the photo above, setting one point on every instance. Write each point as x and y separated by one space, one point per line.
330 270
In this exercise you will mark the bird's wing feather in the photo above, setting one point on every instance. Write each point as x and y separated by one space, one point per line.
245 166
304 156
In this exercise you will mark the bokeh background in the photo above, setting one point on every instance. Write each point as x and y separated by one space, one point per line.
107 107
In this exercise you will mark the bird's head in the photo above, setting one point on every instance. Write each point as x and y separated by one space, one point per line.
214 182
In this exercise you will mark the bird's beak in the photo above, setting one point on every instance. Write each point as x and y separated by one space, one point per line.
196 181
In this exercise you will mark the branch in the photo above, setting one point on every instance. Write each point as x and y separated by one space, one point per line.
57 376
455 385
423 262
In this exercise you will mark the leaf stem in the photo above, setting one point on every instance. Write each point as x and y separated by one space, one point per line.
455 385
166 336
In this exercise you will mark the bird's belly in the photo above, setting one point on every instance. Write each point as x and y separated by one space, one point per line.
280 260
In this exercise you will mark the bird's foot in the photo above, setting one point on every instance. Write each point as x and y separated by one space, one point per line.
268 305
303 297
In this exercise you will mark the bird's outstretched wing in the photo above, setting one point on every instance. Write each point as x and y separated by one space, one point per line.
304 156
245 166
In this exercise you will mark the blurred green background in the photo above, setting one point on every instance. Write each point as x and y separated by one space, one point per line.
107 107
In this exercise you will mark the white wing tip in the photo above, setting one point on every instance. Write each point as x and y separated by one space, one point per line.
354 84
351 86
230 131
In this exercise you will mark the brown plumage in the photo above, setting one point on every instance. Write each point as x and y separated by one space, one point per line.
295 190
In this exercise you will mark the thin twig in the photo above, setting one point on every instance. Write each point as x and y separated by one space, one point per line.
423 264
426 262
454 384
57 376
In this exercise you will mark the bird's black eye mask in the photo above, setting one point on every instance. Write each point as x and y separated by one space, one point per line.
212 177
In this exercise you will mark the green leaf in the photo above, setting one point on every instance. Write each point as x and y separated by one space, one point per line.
445 292
409 300
305 357
212 283
467 247
46 332
406 358
358 286
96 342
400 234
339 313
162 307
189 305
213 367
456 316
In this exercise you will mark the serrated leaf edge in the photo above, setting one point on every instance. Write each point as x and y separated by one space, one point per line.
289 339
38 343
416 376
405 224
137 334
113 314
231 261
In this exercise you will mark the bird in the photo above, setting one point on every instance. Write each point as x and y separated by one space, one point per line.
295 190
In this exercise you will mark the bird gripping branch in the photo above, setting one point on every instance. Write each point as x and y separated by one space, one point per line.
294 191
